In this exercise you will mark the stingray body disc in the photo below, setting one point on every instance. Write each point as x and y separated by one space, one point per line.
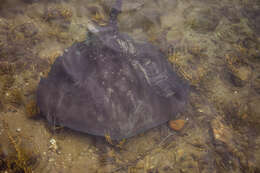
98 89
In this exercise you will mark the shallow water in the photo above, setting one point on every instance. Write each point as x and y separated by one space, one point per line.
215 45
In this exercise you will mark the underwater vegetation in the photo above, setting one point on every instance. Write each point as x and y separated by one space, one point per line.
15 156
31 109
8 93
215 48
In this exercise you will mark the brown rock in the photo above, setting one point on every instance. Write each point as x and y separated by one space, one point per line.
243 73
177 124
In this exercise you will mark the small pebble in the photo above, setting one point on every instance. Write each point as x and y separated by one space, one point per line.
177 125
244 116
152 166
53 141
51 160
18 130
53 146
200 110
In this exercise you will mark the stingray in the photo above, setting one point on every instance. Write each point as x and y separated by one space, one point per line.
111 85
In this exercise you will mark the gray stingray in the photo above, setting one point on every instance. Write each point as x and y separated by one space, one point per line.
111 85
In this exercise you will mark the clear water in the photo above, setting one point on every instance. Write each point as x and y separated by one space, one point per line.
214 45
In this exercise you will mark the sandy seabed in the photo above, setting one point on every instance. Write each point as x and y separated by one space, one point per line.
215 45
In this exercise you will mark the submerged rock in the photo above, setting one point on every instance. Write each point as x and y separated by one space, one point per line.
111 85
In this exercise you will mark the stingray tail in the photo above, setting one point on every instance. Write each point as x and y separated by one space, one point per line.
115 11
